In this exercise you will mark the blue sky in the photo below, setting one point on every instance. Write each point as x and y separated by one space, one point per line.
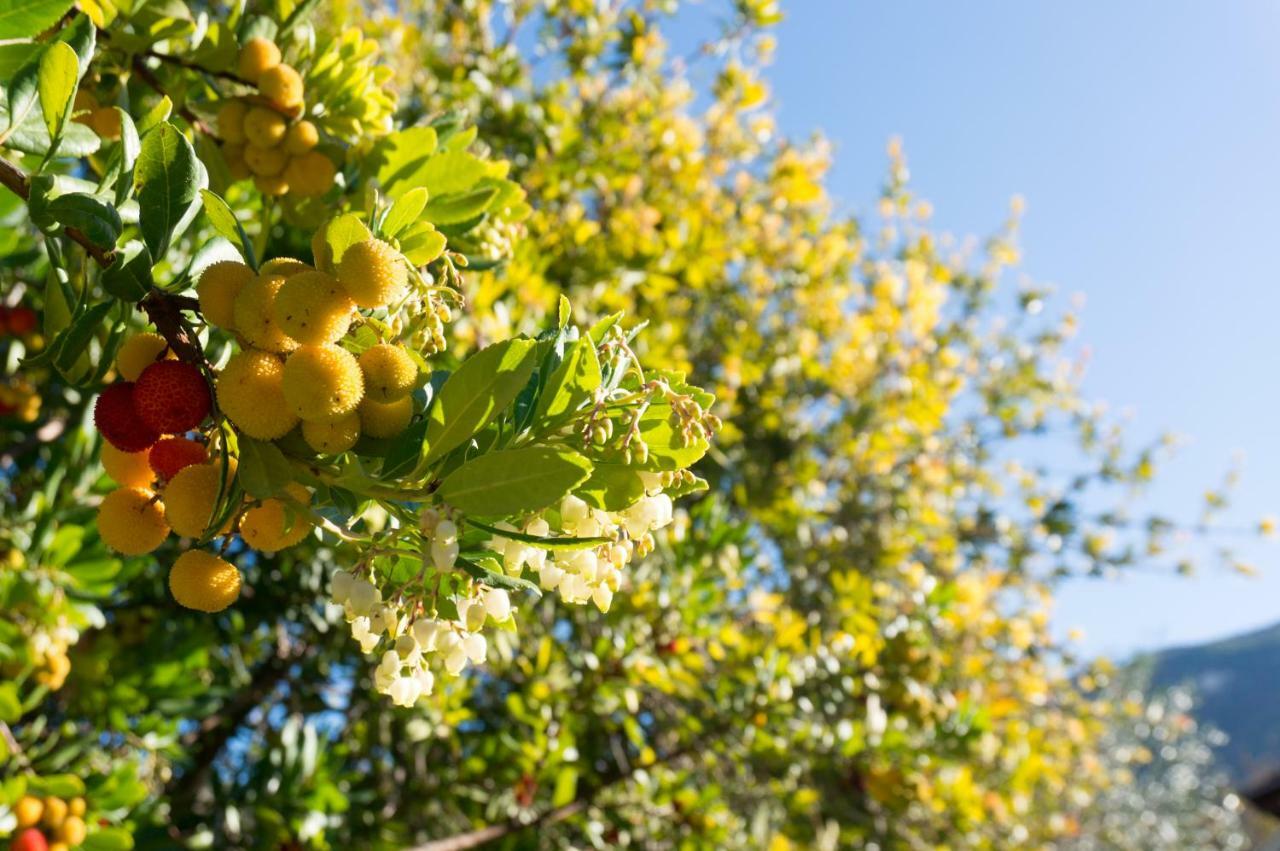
1145 137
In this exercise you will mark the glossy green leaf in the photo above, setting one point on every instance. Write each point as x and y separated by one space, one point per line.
572 383
59 73
514 481
405 211
264 471
29 18
92 216
459 207
168 180
482 387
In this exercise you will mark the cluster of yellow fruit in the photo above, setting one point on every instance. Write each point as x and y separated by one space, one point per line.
175 486
290 318
264 136
64 821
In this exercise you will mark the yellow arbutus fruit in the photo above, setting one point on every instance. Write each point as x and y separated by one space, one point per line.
286 266
257 55
231 117
217 289
313 308
201 581
264 162
55 812
282 85
301 137
131 521
264 128
28 811
389 372
191 497
131 469
72 831
333 438
272 185
273 524
322 383
255 314
373 273
139 352
385 419
250 391
310 174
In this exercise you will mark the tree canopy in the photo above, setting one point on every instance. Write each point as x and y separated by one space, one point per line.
460 423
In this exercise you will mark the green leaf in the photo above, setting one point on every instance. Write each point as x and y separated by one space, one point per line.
566 787
489 571
481 388
405 451
421 243
32 137
82 36
10 705
224 221
56 786
663 439
130 148
77 337
108 839
158 113
404 211
22 92
129 277
458 207
59 73
564 543
571 384
514 481
264 471
14 56
400 155
29 18
342 233
612 487
91 216
168 180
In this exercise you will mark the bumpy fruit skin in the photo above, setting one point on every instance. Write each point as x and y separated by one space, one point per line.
171 454
282 85
264 162
322 383
256 56
373 273
28 810
301 137
310 174
251 393
137 353
255 314
389 372
274 186
379 419
264 128
130 469
313 308
55 810
172 397
77 807
231 120
285 267
190 498
131 521
202 581
272 525
333 438
30 839
218 287
116 417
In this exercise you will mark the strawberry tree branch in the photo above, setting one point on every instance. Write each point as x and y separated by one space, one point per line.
13 177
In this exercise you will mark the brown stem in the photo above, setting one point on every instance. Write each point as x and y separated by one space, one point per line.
191 66
165 312
12 177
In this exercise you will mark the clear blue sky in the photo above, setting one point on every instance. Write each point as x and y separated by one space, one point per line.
1145 137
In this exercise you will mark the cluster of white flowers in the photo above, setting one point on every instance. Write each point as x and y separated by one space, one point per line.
592 573
404 672
409 639
54 642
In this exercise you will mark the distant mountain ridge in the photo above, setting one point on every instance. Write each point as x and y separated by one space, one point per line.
1236 683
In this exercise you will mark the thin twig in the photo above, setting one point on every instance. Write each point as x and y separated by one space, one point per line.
14 178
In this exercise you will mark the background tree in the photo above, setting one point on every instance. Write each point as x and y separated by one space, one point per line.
842 641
